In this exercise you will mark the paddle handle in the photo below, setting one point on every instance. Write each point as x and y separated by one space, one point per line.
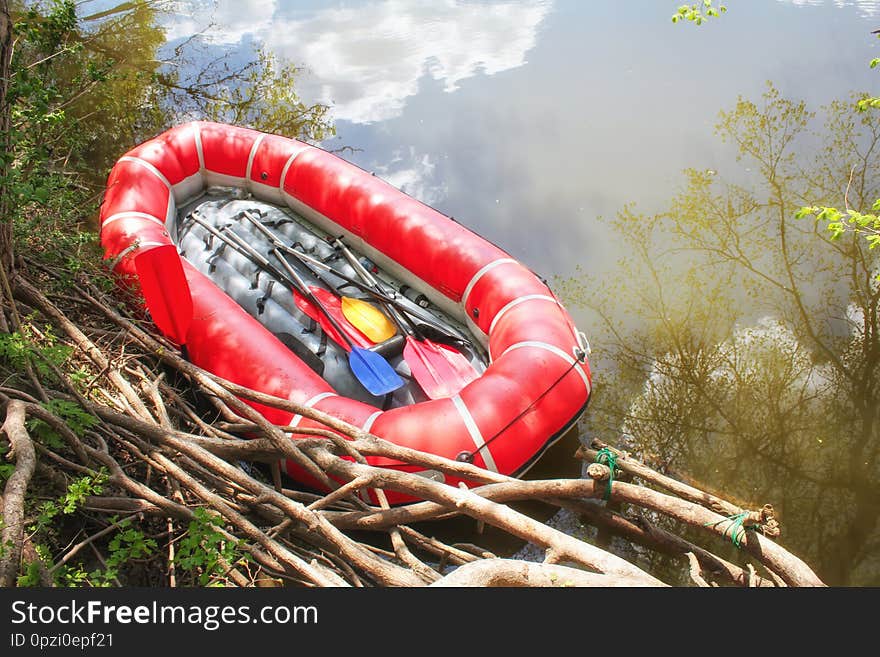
404 324
239 245
235 241
281 246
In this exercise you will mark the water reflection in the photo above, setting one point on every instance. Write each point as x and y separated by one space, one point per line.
367 59
775 399
536 118
867 7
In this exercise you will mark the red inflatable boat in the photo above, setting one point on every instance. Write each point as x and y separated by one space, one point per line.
536 379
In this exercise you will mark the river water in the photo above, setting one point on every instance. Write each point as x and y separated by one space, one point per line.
561 130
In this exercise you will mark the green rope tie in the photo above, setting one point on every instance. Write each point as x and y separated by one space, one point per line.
737 529
606 457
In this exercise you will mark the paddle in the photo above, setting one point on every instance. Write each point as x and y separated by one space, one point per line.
299 299
439 370
429 322
364 317
165 290
370 368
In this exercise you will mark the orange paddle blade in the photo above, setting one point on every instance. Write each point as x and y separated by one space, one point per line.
367 319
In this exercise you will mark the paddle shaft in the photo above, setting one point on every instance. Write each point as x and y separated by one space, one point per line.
310 295
281 246
379 294
236 242
406 325
370 368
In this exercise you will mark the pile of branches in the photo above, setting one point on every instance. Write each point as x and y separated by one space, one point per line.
167 438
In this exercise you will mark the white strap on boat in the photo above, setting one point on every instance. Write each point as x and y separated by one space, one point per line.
309 404
149 167
553 349
368 425
132 215
475 433
250 164
287 167
197 135
516 302
479 275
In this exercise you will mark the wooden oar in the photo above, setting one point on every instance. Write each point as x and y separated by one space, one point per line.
369 367
301 301
165 290
439 370
366 318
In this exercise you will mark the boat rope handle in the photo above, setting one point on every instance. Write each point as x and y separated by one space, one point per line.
606 457
737 528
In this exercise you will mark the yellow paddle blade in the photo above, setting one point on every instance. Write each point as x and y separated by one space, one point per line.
367 319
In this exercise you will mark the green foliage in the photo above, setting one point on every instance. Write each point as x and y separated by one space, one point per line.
838 223
869 102
76 493
31 575
44 527
26 348
204 547
698 13
77 419
260 95
128 544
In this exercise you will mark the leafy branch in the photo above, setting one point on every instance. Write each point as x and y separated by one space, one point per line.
698 13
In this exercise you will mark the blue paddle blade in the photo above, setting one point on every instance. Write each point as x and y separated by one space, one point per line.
373 371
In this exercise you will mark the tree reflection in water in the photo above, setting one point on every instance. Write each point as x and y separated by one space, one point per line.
743 344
